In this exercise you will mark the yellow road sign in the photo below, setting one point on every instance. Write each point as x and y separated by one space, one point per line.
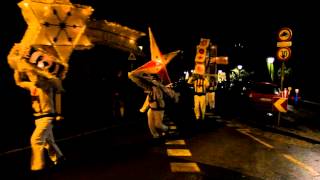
285 34
284 43
281 104
284 53
219 60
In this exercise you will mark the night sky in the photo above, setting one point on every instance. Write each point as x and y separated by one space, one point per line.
181 24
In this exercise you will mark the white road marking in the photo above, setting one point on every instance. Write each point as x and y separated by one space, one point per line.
184 167
301 164
179 152
287 156
176 142
246 132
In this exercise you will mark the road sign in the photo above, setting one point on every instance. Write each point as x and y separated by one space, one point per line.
199 68
284 43
285 34
201 54
219 60
132 57
284 53
280 104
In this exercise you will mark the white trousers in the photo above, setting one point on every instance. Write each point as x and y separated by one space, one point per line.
155 121
200 106
42 139
211 99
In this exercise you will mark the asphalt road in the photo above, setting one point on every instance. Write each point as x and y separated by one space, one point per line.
215 149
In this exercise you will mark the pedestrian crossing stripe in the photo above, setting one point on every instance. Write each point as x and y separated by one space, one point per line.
172 127
184 167
179 152
176 142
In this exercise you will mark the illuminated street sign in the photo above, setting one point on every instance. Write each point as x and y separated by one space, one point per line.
285 34
284 44
201 55
284 53
219 60
132 57
280 104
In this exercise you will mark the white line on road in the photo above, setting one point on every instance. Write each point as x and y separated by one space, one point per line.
287 156
176 142
184 167
179 152
301 164
246 132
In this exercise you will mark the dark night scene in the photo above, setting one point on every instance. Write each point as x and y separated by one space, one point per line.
159 90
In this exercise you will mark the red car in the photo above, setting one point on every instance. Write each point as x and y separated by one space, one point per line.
261 96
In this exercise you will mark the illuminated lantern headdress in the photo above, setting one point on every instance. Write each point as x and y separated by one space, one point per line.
55 29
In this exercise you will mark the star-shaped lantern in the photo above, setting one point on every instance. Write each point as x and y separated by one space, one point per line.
56 23
158 62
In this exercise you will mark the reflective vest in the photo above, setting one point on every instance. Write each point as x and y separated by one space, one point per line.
199 87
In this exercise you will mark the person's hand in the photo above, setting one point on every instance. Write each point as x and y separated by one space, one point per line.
169 85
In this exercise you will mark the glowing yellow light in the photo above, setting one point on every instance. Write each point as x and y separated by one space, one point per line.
63 28
158 62
176 142
184 167
179 152
131 41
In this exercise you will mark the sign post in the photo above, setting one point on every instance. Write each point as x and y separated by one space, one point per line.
283 54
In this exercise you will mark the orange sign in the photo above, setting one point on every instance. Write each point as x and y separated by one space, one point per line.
284 53
285 34
219 60
280 104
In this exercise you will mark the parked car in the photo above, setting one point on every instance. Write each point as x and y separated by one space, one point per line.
259 97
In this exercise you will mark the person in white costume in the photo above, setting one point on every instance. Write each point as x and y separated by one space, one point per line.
211 94
42 91
200 84
155 104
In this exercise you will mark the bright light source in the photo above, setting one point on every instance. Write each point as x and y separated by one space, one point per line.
131 41
40 65
140 47
239 67
270 60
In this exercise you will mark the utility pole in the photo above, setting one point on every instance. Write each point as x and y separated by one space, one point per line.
283 54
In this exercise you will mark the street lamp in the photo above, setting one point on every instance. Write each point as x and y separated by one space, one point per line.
270 61
239 67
